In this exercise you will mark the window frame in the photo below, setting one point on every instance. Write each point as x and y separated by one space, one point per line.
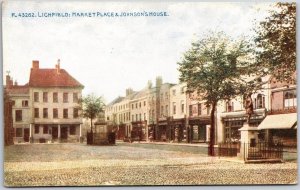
55 97
18 116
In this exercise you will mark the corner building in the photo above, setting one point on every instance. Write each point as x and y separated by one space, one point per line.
54 96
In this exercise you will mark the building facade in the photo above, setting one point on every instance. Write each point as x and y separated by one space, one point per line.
54 96
21 110
47 108
178 112
280 123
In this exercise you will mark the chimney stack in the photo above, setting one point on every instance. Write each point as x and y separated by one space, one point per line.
16 83
58 66
8 81
129 91
159 81
35 64
149 84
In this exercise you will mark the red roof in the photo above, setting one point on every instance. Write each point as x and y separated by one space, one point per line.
17 89
52 78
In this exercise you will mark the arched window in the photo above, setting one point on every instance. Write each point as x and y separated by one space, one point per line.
260 101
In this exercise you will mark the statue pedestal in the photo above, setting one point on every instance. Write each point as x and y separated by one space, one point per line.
249 135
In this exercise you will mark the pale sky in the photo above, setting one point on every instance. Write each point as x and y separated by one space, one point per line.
108 55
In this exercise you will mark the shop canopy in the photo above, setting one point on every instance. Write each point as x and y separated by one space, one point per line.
280 121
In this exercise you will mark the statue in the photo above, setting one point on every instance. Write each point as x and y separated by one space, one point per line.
248 104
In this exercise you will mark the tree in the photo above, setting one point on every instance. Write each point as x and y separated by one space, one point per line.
276 42
91 106
213 67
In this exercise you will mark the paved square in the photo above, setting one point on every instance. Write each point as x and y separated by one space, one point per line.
127 164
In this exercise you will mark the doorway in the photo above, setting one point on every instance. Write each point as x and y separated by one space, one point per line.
64 132
54 132
26 134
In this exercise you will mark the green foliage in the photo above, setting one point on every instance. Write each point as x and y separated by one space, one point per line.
92 106
213 67
276 42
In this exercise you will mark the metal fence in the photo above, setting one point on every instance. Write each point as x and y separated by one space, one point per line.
228 149
263 150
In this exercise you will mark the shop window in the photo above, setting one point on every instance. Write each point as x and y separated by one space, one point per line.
19 132
18 115
72 130
290 99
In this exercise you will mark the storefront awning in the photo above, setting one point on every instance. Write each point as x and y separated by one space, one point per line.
280 121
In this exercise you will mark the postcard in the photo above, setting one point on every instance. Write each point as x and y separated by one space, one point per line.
100 93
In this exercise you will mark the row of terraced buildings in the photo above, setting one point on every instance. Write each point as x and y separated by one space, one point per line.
167 112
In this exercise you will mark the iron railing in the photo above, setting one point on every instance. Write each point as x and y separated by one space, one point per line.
228 149
262 150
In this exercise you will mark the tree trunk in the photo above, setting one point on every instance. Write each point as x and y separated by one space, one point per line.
91 125
212 130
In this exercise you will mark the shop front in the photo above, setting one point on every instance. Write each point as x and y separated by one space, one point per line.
198 129
178 129
280 128
232 124
163 130
139 130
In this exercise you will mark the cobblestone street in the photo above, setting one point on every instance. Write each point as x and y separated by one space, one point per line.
79 164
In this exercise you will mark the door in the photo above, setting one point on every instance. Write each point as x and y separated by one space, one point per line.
64 132
26 134
54 132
